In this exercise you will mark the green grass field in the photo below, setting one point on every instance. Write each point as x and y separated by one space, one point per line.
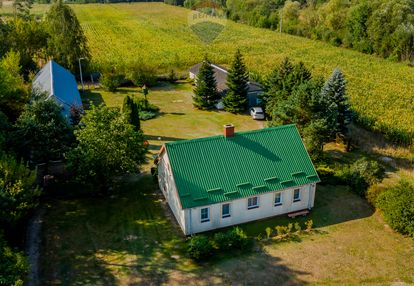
127 239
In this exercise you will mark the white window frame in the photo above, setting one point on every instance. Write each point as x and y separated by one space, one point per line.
226 215
253 206
281 199
201 215
298 199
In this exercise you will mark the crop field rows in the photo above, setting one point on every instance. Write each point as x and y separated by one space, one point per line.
160 35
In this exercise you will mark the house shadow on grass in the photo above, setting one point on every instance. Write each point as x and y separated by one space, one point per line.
126 238
333 205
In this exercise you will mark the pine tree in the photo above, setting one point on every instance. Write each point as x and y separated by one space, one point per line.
237 81
205 93
335 90
131 112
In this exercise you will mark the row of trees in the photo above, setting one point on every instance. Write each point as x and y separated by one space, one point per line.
382 27
319 109
235 99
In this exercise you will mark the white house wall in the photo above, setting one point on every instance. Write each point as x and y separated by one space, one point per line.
240 213
168 188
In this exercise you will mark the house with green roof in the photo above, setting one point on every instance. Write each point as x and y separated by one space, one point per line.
234 178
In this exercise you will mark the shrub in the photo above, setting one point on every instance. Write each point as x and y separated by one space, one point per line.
309 225
298 228
110 81
238 238
145 105
268 232
223 240
373 192
326 174
397 206
146 115
361 174
281 230
199 247
141 74
13 265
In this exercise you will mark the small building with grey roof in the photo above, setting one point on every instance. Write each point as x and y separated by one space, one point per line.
220 74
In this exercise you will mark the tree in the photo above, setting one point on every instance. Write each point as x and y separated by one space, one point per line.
205 92
108 146
41 132
17 194
335 90
237 81
315 135
13 265
13 92
67 42
131 112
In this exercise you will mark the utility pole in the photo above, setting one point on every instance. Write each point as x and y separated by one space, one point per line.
281 20
81 77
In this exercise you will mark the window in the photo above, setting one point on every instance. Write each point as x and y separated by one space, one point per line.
252 203
278 199
296 195
225 210
205 215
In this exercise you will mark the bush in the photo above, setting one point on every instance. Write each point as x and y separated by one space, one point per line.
397 206
146 115
309 225
199 247
326 174
13 265
361 174
145 105
281 230
373 192
235 238
141 74
110 81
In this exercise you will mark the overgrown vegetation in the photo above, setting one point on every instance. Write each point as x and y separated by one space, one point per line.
397 206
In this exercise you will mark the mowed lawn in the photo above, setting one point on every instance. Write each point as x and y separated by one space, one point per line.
178 119
130 237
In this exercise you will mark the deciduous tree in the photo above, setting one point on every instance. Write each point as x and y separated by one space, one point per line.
108 145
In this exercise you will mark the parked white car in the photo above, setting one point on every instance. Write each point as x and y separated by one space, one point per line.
257 113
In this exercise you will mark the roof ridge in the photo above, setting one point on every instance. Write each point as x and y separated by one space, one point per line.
52 87
266 129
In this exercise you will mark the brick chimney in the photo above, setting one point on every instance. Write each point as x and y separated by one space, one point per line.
228 130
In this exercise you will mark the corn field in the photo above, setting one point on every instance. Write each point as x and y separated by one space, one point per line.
159 35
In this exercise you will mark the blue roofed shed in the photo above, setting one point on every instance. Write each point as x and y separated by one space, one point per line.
60 85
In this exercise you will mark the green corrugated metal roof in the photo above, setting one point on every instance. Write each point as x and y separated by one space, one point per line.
218 169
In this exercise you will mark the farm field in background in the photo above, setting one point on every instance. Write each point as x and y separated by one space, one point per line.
159 35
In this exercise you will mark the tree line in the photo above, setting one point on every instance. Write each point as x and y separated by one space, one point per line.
381 27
